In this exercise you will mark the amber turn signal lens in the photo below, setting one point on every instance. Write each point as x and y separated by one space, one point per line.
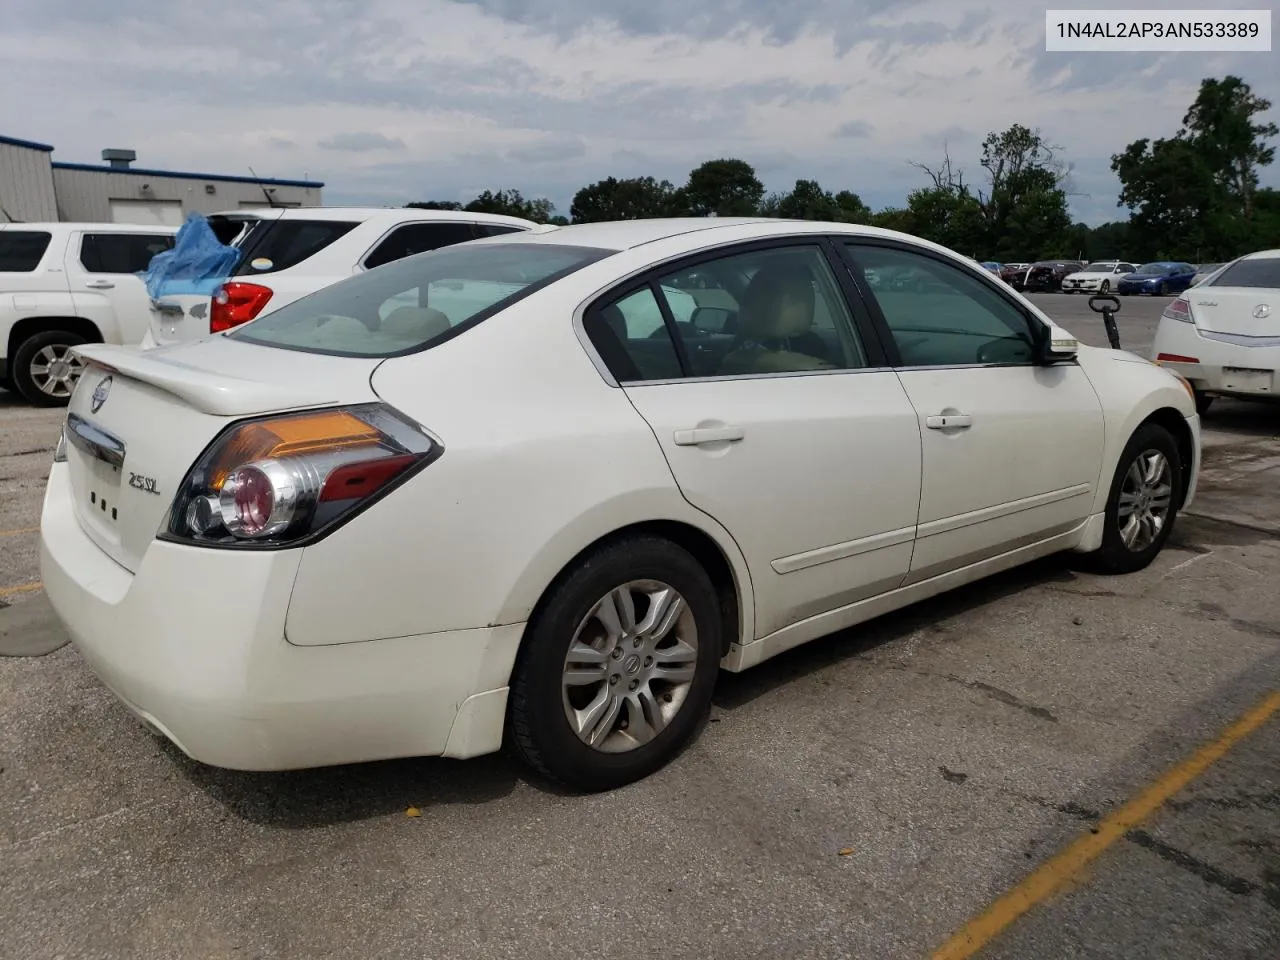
292 436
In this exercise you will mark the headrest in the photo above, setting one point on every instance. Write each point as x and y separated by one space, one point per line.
415 323
761 315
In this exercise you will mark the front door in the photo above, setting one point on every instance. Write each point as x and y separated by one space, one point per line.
1012 449
783 424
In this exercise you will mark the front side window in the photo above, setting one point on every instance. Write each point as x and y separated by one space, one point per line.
121 252
411 304
22 250
945 316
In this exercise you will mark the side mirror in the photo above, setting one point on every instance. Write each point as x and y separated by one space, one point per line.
711 319
1058 345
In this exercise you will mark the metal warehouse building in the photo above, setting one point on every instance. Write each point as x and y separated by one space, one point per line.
34 187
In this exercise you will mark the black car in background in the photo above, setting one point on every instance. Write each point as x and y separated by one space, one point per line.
1046 276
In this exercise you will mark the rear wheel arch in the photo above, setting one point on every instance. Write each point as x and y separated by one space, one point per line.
700 544
29 326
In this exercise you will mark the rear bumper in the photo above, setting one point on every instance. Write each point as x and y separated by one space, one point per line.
1217 366
193 643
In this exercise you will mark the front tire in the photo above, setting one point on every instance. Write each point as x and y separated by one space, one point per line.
1143 504
616 671
44 370
1105 287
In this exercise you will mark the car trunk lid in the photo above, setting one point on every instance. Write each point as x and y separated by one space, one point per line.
1242 311
138 420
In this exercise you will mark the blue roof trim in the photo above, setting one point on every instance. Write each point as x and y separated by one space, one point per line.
29 144
183 175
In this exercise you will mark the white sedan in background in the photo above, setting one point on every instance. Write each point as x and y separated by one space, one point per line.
1223 335
479 494
1097 277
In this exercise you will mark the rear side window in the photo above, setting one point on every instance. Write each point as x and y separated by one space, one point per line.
21 250
414 238
495 229
121 252
411 304
274 245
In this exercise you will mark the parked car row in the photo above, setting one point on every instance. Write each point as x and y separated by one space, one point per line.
63 284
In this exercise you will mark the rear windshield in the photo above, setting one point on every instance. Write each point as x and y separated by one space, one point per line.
1263 272
21 250
411 304
273 245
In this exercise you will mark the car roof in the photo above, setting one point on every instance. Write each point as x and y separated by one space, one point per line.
627 234
365 214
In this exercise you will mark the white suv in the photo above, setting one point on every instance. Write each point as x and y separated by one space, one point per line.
287 253
63 284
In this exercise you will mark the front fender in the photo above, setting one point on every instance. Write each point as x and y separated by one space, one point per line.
1131 390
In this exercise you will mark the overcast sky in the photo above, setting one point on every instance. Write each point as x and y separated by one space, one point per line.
389 101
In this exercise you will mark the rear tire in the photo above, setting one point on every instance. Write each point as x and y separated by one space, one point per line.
44 372
1146 486
1203 400
630 729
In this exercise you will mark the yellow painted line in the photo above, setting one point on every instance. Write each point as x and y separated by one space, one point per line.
19 531
1060 869
21 588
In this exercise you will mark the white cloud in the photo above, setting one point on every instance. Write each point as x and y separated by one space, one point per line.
396 100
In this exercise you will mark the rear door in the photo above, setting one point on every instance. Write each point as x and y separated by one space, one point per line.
789 430
102 267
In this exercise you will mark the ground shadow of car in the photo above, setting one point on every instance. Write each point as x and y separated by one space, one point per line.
307 799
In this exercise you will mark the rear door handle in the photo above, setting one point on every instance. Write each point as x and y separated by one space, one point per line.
99 284
949 421
691 438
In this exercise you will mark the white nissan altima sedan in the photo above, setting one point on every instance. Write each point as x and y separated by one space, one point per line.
540 488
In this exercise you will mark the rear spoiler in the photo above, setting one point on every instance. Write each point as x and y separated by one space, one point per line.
217 394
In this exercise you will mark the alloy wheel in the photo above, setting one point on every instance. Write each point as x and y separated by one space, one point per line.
630 666
54 370
1145 499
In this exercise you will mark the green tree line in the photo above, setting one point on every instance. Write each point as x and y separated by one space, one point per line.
1192 196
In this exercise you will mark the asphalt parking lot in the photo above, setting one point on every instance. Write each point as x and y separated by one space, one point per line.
865 796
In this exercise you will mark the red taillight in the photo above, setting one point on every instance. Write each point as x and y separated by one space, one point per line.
282 479
357 480
236 303
1179 310
1175 358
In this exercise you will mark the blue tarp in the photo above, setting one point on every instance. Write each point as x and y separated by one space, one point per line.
198 263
